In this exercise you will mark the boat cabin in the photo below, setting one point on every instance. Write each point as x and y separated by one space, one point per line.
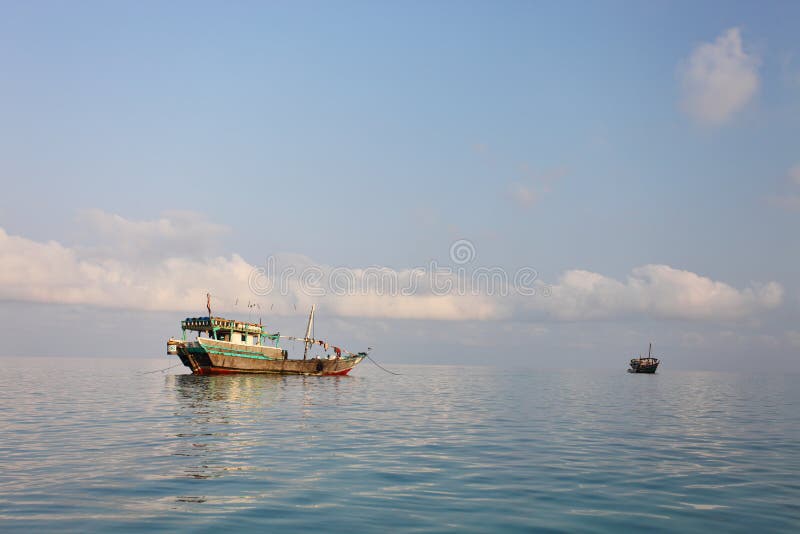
229 330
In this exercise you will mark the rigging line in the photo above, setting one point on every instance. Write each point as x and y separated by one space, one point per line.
161 370
381 367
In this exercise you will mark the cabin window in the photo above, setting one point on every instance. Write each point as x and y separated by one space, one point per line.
244 338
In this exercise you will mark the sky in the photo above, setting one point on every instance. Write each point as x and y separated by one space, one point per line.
501 183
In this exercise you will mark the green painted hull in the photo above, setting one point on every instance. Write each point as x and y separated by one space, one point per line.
209 356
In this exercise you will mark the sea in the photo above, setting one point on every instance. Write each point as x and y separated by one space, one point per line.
116 445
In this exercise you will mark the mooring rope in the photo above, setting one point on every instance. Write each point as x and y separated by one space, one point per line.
161 370
381 367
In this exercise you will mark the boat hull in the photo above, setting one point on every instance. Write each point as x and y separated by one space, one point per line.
649 370
216 357
643 368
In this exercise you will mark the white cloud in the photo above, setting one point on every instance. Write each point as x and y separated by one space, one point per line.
658 291
719 79
175 233
50 272
53 273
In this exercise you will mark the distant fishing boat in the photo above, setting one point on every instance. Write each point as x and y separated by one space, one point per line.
645 365
229 346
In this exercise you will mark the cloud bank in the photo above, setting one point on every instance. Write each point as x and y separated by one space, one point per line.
658 291
718 79
105 276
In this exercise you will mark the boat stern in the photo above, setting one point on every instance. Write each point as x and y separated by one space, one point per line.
172 346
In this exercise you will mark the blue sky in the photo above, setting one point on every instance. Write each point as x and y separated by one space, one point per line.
565 137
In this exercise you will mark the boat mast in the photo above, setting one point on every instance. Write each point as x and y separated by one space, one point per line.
308 331
211 333
650 350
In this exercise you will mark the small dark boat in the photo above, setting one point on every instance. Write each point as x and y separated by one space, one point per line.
645 365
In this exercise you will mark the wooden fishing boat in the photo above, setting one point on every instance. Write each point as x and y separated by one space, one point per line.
230 346
645 365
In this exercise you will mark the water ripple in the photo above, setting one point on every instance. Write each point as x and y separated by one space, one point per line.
96 445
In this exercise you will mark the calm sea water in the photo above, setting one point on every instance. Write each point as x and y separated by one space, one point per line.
94 445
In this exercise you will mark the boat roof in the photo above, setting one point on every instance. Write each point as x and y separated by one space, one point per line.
202 324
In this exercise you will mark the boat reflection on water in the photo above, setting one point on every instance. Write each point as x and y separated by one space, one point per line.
197 391
227 425
211 440
241 392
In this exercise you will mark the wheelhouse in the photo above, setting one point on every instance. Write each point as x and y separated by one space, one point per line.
222 329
